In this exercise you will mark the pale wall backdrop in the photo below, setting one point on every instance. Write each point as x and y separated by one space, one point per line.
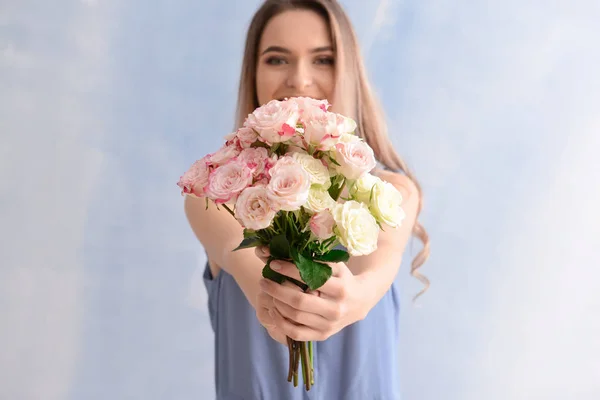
104 103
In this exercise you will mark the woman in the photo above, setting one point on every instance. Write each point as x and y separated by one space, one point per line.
308 48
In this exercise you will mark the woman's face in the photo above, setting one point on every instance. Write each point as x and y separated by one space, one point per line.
295 58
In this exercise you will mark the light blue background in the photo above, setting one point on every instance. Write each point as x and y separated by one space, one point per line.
105 103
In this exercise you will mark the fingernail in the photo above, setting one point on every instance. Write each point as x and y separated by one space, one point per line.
275 266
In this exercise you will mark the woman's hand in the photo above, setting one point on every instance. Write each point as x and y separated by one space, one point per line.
314 315
265 304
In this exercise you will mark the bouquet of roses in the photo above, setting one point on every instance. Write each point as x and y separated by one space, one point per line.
297 178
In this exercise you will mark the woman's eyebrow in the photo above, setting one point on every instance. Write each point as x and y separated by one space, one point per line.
280 49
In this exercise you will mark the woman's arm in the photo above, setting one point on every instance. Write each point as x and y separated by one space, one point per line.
219 234
377 271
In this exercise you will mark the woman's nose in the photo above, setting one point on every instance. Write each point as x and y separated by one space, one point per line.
300 77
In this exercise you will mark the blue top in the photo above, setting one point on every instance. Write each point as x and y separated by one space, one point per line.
358 363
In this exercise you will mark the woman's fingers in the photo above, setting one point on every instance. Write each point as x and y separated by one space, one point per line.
299 300
264 305
298 317
295 331
262 252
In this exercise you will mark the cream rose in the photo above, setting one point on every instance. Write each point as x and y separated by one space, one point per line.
289 184
227 181
361 189
319 200
386 204
254 209
321 225
356 228
275 121
319 173
355 158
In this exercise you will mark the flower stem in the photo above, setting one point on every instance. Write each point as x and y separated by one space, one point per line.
312 364
305 377
291 355
296 362
228 209
305 366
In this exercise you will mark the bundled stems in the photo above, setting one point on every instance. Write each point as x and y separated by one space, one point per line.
301 353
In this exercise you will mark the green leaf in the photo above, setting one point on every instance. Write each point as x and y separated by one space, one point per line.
248 242
248 233
335 190
280 247
334 256
314 273
333 160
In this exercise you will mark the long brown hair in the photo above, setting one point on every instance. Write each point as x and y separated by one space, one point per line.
353 94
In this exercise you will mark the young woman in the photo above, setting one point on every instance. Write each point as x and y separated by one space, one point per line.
308 48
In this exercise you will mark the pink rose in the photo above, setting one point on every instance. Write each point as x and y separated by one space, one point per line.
289 184
355 158
246 137
324 130
255 159
321 225
254 209
224 154
285 161
275 121
227 181
195 180
310 107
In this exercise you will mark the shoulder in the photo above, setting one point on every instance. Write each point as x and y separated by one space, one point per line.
403 183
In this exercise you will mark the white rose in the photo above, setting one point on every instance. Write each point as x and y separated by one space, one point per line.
319 173
275 121
289 184
348 138
386 204
356 228
254 209
319 200
321 225
361 189
355 158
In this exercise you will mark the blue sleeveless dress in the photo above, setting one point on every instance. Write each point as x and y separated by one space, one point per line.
358 363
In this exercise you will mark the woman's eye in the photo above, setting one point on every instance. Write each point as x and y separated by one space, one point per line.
275 61
325 61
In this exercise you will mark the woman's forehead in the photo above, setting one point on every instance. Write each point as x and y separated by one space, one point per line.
296 31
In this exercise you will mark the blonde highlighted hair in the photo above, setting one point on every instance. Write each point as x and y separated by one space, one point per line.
353 94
